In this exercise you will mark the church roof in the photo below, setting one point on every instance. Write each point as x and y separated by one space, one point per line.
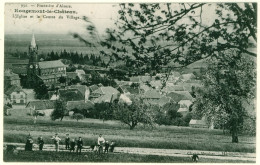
51 64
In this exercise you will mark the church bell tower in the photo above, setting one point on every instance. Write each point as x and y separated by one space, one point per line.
33 65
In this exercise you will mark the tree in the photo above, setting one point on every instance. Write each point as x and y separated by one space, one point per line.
153 35
41 90
133 114
59 110
227 84
77 116
62 80
103 111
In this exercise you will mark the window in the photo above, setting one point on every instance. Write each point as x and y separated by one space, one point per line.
21 96
21 101
14 101
14 97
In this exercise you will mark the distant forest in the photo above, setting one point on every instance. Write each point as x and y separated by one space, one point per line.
68 58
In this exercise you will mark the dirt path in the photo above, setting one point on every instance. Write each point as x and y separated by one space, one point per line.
160 152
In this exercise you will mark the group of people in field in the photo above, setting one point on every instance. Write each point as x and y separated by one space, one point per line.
100 146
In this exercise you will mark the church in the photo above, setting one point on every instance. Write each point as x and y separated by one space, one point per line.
47 71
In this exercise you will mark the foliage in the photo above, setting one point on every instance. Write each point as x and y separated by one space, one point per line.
96 78
74 81
227 84
77 116
153 35
62 79
103 111
41 90
59 110
133 114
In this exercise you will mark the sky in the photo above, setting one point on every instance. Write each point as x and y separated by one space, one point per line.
102 15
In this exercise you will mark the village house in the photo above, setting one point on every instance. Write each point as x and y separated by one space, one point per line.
104 94
187 77
71 76
81 74
67 95
83 89
44 107
16 95
11 78
79 105
151 96
156 84
177 96
124 98
51 71
173 88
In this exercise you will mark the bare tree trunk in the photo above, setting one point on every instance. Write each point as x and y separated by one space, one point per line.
234 133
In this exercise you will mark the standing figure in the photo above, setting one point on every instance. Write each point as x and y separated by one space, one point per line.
106 146
72 145
56 140
67 142
29 143
41 143
79 145
101 142
112 146
194 157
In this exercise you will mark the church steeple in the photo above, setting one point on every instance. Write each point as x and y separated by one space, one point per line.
33 67
33 43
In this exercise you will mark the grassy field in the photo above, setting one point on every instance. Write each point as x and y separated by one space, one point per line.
16 130
47 156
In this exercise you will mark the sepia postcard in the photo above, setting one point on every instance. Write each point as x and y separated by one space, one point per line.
129 82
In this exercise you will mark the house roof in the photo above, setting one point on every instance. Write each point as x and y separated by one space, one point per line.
41 104
175 74
80 71
79 105
13 88
152 94
188 86
146 78
106 98
51 64
164 100
145 87
93 88
82 88
183 110
11 76
180 95
173 88
132 90
19 69
197 122
135 79
122 89
71 75
161 102
105 90
156 83
124 98
187 76
70 95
